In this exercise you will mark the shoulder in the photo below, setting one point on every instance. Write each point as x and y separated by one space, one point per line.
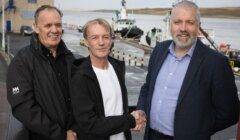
115 61
82 67
214 54
21 63
211 59
209 52
23 55
163 44
82 63
24 52
118 65
160 49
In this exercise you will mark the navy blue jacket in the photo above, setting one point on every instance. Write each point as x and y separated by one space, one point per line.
208 100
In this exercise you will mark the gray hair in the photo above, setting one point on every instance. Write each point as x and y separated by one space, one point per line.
43 7
188 4
99 21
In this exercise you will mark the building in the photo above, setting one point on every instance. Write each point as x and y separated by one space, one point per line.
19 13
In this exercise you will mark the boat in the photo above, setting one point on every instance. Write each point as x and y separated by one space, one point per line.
125 26
156 34
80 28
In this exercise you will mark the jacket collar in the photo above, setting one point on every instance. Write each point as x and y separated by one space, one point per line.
198 55
85 66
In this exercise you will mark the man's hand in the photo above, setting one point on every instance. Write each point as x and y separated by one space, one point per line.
140 119
71 135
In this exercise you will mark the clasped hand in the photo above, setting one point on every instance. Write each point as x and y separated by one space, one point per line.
140 119
71 135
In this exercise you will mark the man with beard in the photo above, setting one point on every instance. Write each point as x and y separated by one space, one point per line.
38 80
190 92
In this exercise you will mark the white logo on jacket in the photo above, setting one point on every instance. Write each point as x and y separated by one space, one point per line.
15 90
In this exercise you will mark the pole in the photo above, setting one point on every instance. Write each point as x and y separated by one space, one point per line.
3 25
215 46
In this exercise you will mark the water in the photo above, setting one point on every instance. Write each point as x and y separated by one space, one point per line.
225 30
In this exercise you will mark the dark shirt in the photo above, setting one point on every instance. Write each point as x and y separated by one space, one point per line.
59 66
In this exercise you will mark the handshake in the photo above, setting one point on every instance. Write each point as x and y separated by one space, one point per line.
140 119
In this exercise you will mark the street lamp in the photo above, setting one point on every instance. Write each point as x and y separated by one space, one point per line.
3 25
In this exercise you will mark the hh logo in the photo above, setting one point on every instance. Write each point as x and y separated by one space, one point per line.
15 90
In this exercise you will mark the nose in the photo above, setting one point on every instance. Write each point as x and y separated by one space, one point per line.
54 29
100 41
183 27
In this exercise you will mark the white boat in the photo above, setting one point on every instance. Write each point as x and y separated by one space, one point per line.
125 26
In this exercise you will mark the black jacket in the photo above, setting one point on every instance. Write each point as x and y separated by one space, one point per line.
35 95
207 101
88 106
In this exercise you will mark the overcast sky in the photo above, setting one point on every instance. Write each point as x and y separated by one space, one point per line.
116 4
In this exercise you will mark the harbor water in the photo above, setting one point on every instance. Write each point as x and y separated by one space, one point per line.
225 30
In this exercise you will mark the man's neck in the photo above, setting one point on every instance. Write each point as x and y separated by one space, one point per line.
99 63
180 52
53 51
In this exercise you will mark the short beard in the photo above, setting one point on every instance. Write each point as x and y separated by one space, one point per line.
184 45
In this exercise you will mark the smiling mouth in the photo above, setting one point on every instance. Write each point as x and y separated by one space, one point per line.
54 37
183 35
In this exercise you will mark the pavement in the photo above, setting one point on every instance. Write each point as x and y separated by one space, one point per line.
9 126
4 107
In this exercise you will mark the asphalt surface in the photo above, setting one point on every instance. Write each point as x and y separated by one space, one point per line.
135 76
4 107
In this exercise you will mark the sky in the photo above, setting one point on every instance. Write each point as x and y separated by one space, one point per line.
131 4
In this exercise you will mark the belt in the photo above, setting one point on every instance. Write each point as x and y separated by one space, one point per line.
159 134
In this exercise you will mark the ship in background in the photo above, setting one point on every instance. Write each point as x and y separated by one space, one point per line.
125 26
156 34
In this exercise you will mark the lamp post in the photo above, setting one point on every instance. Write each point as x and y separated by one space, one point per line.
3 25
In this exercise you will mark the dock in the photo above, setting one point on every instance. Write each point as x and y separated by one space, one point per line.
137 44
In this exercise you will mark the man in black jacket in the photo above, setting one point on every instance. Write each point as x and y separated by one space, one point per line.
38 80
99 94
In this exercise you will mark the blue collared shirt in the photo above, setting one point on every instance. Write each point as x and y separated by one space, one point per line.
167 89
